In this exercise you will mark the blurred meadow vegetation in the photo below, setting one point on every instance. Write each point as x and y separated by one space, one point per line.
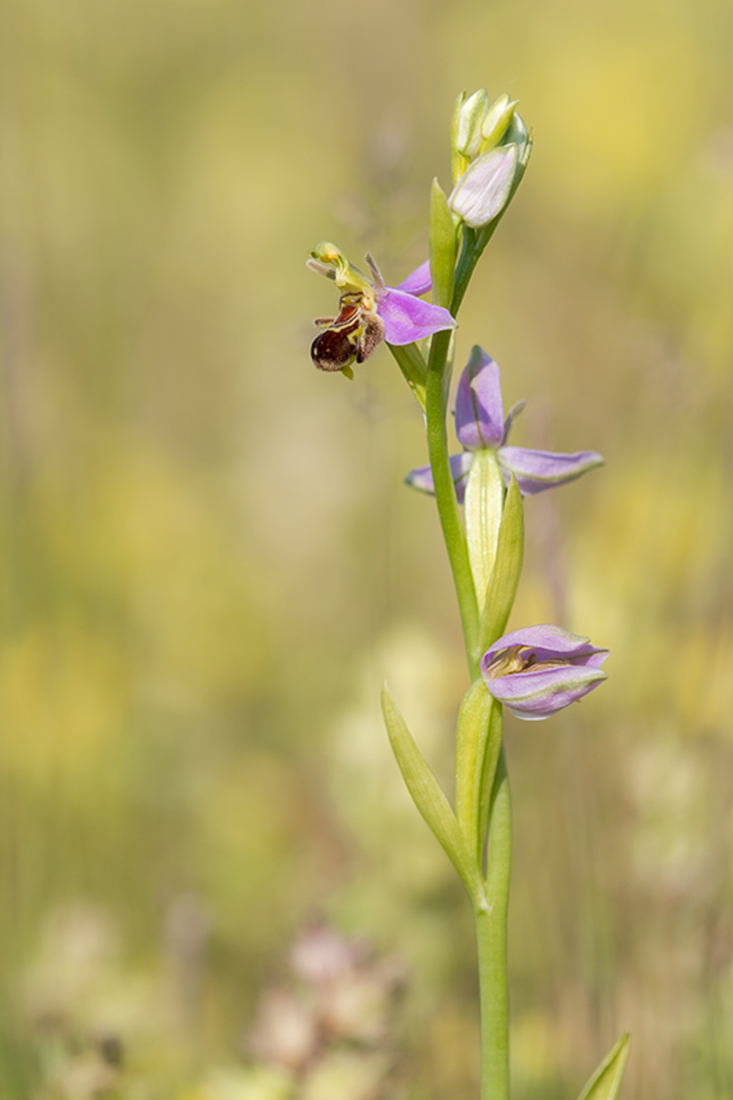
209 562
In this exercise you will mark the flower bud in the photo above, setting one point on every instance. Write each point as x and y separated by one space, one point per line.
517 134
541 669
470 120
496 121
483 191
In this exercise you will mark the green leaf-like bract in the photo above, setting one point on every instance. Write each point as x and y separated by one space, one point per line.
428 796
442 247
606 1081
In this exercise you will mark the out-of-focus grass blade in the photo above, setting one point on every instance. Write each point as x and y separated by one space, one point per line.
606 1081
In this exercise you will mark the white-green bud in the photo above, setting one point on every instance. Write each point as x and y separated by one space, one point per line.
496 121
470 120
518 135
483 190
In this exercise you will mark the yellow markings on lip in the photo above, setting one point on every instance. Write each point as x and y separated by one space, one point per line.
511 660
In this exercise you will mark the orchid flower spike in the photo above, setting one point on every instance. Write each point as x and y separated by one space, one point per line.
541 669
370 311
480 424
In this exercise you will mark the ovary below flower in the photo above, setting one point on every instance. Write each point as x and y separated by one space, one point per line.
539 670
370 311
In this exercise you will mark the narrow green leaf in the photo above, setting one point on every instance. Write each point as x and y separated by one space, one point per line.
427 794
478 740
502 587
442 246
606 1081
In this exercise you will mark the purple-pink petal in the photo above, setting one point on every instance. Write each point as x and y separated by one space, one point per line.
407 318
419 281
479 407
539 470
534 695
422 477
548 642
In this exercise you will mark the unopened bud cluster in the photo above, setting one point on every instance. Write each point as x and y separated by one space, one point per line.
491 147
481 126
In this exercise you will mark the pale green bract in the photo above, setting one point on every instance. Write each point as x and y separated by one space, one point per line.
606 1081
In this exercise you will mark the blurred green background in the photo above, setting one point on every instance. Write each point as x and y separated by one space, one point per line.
209 562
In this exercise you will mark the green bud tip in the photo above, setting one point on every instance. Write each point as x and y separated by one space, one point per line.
496 121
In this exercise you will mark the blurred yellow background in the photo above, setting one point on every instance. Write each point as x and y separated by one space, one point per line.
209 562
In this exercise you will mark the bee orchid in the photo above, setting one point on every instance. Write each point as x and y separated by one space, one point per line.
370 311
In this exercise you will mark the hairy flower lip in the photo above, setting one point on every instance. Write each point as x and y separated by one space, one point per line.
539 670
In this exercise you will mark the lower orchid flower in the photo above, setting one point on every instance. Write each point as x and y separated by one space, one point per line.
541 669
370 311
480 425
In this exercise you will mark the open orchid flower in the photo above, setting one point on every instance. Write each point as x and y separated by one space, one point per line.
370 311
541 669
480 424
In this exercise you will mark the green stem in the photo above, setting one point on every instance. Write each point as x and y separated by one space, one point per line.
491 907
466 263
445 495
491 936
474 242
